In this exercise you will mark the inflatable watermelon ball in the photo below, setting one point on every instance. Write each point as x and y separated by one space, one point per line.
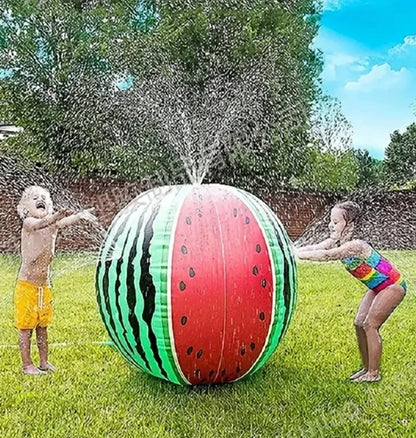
196 284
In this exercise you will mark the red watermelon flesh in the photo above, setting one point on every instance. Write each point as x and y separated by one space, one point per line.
221 287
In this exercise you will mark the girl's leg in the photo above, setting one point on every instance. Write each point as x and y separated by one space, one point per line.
24 345
382 307
359 330
42 341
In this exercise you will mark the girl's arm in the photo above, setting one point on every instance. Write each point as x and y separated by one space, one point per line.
348 249
34 224
325 244
77 217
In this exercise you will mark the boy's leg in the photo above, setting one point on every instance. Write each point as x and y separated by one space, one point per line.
42 342
24 345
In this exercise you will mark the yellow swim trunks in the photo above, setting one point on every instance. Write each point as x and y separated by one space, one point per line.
32 305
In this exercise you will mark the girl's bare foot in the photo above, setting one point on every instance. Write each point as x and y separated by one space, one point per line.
358 374
369 376
32 370
47 367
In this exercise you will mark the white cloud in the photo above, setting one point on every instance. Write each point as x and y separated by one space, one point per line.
334 61
376 86
409 40
341 61
341 55
376 111
331 5
335 5
380 77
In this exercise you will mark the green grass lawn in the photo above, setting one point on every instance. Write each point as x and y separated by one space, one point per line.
303 391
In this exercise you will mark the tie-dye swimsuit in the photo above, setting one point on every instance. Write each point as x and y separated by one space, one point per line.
374 271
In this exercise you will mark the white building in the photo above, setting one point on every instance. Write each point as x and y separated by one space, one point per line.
7 130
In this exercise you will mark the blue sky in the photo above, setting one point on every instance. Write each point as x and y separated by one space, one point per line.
369 50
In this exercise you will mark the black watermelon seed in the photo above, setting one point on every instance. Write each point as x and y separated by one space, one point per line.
258 248
247 220
255 270
188 220
191 272
223 372
243 350
264 282
211 373
184 320
189 350
235 212
252 346
238 369
182 286
199 354
262 316
184 249
197 373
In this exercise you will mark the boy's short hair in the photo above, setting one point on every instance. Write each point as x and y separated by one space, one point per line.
352 210
21 208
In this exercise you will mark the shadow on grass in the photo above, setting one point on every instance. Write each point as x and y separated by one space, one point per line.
272 377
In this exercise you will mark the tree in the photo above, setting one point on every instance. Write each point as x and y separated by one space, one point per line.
331 161
208 41
330 171
400 161
66 57
60 89
370 170
330 129
199 123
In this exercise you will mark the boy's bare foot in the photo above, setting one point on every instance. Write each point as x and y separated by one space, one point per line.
358 374
32 370
47 367
369 377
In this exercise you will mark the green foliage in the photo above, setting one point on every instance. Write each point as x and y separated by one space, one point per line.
303 391
202 40
370 170
61 87
66 56
331 164
400 162
330 129
330 170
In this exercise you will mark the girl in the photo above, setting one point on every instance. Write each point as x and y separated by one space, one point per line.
386 287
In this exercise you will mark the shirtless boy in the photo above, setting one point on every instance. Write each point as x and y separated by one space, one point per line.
33 294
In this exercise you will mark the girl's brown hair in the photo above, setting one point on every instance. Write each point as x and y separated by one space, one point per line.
352 210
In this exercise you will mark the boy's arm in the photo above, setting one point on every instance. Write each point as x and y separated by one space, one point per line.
349 249
34 224
76 218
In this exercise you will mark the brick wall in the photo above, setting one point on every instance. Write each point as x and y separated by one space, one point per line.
388 220
295 210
